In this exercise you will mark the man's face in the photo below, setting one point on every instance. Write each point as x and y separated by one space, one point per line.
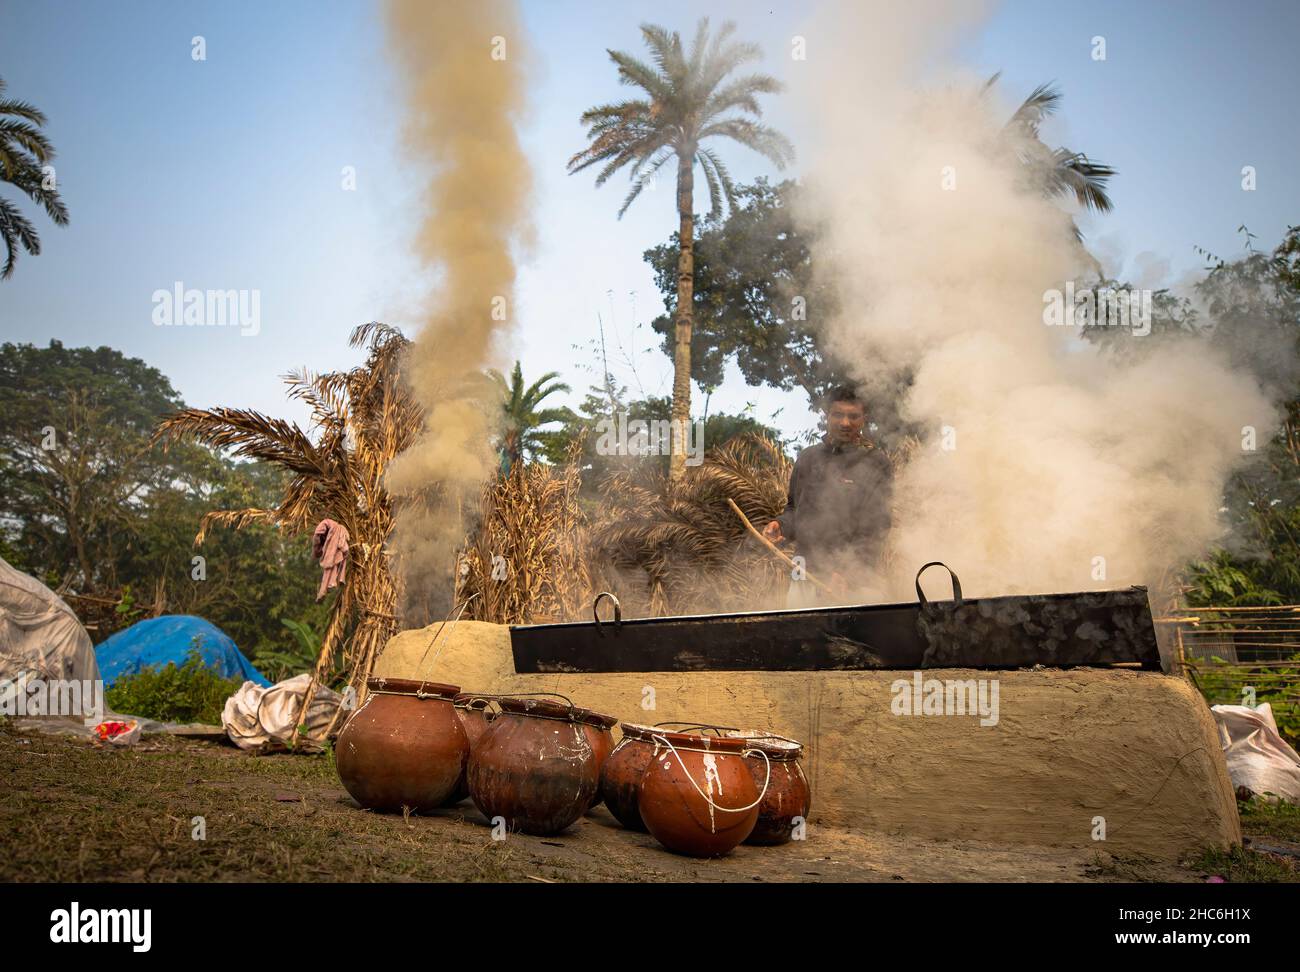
845 421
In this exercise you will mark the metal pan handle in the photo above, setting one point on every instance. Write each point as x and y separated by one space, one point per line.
956 584
595 611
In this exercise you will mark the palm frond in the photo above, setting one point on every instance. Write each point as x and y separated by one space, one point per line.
234 519
683 537
665 49
16 230
249 434
642 178
721 180
764 140
741 95
1043 101
636 73
686 104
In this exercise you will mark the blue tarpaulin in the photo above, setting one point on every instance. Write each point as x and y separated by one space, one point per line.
169 638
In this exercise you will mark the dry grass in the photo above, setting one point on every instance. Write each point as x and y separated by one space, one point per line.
81 814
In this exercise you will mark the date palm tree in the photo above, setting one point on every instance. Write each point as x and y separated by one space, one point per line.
1058 172
24 154
689 99
521 416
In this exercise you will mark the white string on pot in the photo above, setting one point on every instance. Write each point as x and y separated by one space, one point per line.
705 796
454 622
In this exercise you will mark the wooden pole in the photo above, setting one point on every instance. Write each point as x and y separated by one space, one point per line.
773 547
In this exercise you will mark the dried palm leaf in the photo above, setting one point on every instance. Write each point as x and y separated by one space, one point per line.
361 420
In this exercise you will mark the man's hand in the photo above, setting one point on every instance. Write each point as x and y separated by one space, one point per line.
773 532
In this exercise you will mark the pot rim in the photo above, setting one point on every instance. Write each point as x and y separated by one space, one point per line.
598 720
722 745
539 709
636 731
774 746
380 685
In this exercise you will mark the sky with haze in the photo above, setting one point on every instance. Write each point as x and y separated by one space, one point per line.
226 173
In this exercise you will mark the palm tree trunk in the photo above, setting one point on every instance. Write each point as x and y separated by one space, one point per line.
685 313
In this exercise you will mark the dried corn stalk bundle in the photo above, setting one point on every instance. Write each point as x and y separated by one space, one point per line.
527 557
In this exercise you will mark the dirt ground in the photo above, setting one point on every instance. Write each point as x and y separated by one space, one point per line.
75 812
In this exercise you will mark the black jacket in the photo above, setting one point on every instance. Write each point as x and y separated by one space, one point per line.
837 511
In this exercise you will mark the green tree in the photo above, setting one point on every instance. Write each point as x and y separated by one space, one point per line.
25 153
248 582
756 300
1247 309
89 503
75 456
1252 306
1172 316
688 101
522 414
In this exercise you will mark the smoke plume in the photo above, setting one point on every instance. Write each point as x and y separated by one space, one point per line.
463 89
1042 464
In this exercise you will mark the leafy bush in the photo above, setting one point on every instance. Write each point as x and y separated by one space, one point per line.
278 664
1221 682
191 693
1222 581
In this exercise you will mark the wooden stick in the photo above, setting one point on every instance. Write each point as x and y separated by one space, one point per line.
773 547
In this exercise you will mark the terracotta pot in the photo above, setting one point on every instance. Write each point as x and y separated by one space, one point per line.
404 747
787 796
599 730
620 777
697 795
534 766
475 715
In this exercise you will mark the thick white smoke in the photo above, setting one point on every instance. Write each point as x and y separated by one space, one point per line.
1043 465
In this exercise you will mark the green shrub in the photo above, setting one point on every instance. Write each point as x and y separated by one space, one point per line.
189 693
1221 682
277 664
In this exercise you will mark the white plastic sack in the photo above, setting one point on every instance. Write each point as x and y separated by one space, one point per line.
261 718
1258 757
40 635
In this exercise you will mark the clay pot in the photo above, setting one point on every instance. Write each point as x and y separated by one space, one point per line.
787 796
475 715
620 777
404 747
697 795
599 730
534 766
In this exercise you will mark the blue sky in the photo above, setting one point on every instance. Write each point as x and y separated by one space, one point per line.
227 173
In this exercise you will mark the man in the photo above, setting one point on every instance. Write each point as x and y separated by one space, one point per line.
837 510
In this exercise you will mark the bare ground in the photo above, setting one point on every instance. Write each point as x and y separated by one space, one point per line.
81 813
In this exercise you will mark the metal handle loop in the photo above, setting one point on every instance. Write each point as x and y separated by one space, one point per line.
956 584
595 612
